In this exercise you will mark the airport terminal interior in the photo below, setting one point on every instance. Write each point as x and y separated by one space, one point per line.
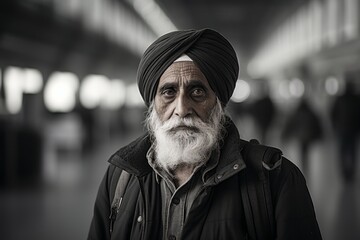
69 99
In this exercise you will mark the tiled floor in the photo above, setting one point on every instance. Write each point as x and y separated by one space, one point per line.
63 208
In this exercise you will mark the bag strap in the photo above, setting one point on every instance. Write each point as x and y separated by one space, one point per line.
256 192
117 193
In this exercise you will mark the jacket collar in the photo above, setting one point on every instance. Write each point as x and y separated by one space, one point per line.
132 158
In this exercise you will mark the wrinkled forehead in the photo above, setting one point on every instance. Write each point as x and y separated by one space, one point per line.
186 70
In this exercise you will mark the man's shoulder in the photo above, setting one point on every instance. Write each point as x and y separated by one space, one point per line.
260 158
132 157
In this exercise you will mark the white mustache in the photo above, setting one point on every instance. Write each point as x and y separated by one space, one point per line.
175 124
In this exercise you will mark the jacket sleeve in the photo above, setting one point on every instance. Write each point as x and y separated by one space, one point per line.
100 224
294 211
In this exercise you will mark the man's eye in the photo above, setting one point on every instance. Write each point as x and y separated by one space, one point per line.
168 92
198 92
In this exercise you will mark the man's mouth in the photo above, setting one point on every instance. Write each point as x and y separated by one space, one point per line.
184 128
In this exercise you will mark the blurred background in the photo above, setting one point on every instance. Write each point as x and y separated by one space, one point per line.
68 98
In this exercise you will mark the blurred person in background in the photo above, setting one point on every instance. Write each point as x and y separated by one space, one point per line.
263 110
345 117
303 125
191 176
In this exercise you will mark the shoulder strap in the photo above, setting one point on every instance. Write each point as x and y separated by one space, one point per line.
256 194
113 182
117 192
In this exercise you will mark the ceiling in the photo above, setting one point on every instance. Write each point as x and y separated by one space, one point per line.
244 22
34 37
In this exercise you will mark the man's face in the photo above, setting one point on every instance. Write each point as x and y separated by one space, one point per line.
184 92
185 118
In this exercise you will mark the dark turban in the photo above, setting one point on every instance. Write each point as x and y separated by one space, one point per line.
209 50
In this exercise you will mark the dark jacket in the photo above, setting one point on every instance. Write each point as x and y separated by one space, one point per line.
217 212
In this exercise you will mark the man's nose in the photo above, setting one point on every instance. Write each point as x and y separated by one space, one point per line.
183 106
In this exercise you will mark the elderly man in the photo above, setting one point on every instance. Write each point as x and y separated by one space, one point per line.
190 176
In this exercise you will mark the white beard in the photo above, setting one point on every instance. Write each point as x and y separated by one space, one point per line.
191 145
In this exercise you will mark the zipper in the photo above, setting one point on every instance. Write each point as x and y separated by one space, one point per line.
113 213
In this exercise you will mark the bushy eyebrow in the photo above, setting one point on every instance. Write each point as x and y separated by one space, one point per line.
191 84
167 86
196 83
